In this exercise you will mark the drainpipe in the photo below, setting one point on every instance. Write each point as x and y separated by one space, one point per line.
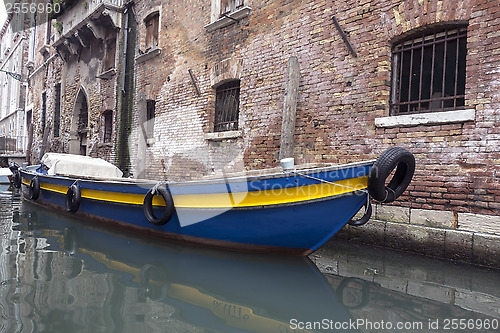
125 45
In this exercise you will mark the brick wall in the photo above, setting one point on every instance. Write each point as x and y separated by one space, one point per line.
340 96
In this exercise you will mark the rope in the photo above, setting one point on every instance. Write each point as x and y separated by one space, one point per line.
327 182
155 188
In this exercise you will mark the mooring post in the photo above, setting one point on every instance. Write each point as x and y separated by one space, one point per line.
290 108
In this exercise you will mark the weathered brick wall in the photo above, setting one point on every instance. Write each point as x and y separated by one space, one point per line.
339 95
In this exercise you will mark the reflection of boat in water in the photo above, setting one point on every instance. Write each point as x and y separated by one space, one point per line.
208 288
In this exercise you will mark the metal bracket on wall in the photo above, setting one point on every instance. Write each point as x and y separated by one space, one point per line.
344 37
193 80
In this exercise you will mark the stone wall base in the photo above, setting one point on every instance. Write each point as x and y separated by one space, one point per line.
469 238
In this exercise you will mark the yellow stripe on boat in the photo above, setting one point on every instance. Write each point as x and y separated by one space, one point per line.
270 197
276 196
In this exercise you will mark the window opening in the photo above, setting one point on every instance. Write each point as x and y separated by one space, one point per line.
150 117
57 109
44 110
108 125
227 104
109 60
152 25
429 72
229 6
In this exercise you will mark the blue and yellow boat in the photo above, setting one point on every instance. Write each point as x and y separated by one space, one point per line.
291 211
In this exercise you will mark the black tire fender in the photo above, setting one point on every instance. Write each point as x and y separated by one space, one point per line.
365 292
396 158
34 188
73 198
148 205
17 178
152 281
365 218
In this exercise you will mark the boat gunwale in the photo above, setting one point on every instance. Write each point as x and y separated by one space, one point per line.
237 179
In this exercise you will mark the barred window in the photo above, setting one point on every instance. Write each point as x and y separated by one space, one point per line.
227 106
108 125
429 72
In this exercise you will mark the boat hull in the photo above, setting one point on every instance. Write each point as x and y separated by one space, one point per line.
284 213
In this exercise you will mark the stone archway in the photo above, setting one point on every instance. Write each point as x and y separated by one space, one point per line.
79 125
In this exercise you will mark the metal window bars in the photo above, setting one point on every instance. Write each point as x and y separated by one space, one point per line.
227 105
429 72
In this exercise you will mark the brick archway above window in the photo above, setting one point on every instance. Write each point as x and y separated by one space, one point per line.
225 70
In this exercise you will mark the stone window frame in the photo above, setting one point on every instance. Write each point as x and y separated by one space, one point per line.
220 19
428 117
145 52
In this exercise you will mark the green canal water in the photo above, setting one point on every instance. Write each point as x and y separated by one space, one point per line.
61 274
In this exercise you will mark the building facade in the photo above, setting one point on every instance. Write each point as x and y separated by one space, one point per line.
175 90
14 54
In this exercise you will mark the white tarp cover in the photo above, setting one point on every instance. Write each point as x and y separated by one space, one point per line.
78 165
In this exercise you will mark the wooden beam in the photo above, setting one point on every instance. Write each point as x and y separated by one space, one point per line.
290 108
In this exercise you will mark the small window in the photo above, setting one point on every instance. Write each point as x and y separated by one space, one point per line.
227 106
83 116
108 125
152 25
429 72
57 109
109 58
150 117
229 6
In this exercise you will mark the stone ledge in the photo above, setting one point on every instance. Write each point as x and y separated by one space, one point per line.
392 213
486 249
479 223
458 245
218 136
148 55
431 118
107 74
229 19
432 218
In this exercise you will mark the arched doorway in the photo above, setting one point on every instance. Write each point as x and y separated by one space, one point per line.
79 125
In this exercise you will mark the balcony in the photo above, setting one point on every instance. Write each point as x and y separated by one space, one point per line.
12 145
85 20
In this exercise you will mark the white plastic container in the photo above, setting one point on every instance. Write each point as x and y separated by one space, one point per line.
287 163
